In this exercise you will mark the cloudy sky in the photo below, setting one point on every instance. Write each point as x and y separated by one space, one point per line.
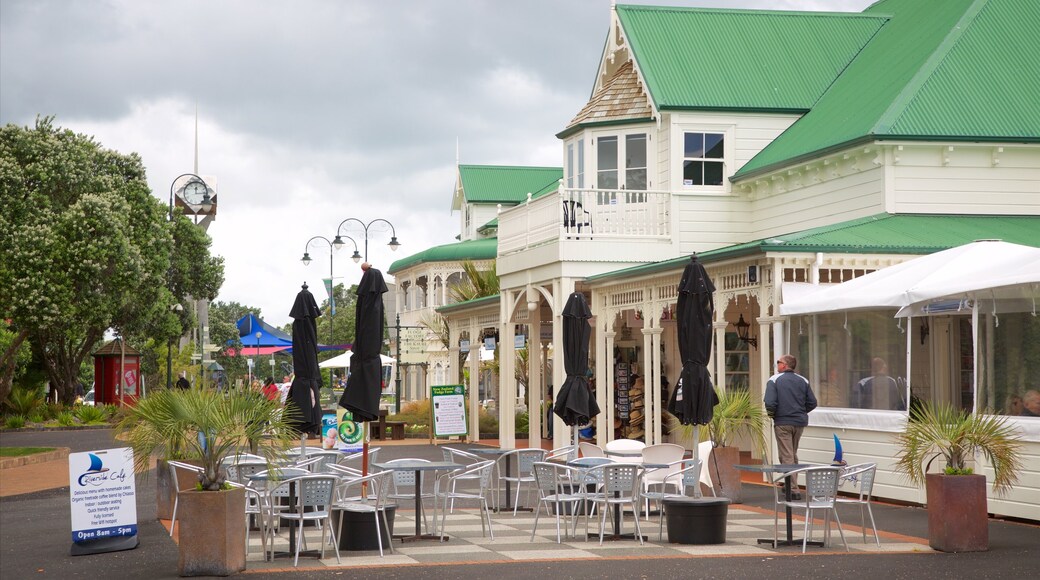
311 112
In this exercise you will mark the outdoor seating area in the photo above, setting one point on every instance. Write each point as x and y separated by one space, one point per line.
318 509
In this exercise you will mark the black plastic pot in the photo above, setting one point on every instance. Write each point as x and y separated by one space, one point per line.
359 530
696 521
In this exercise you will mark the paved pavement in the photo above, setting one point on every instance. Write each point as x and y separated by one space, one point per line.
34 540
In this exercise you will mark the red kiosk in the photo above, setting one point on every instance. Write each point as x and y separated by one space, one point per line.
106 373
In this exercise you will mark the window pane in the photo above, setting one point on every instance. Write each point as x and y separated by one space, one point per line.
693 173
570 165
635 179
635 151
858 362
694 145
713 146
712 173
1007 373
607 153
607 179
581 164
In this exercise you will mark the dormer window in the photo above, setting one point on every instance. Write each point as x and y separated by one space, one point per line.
703 158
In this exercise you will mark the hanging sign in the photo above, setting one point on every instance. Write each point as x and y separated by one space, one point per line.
103 500
449 410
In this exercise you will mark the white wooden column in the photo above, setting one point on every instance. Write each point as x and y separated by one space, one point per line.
506 377
655 377
649 361
605 388
562 289
534 371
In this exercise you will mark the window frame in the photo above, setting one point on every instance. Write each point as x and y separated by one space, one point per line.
678 149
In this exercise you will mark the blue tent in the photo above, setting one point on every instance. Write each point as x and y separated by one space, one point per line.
249 325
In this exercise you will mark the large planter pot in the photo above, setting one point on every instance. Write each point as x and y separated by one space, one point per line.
165 491
724 475
212 532
957 517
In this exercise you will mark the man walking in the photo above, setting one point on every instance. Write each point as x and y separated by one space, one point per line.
788 401
182 382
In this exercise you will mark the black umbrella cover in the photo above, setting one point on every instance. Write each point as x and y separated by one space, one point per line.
305 391
574 401
361 395
694 398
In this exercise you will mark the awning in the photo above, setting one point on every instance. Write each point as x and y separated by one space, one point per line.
343 361
983 270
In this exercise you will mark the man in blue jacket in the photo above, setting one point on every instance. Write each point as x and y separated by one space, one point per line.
788 401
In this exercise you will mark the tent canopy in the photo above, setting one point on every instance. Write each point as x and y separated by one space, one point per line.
984 270
249 325
343 361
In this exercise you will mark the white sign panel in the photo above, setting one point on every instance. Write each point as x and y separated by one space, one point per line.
102 494
449 410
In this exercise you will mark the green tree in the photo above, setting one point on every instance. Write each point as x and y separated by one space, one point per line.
86 247
342 323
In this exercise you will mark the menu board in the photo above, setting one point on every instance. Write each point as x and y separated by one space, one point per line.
449 410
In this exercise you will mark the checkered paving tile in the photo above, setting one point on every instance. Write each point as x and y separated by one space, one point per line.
513 542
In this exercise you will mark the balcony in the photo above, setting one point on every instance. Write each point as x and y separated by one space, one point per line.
616 227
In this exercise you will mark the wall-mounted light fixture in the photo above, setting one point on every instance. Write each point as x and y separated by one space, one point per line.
742 332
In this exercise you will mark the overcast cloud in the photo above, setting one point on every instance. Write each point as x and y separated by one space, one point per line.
314 111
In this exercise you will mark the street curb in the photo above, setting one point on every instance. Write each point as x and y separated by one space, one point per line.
57 454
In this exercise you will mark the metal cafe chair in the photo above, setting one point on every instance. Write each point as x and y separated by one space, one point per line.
314 499
378 488
565 452
525 460
622 485
404 489
174 467
862 476
821 491
552 479
590 449
446 492
463 458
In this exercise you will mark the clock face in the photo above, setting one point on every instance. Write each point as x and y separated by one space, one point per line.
194 192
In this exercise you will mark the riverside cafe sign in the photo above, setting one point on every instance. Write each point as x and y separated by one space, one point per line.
103 501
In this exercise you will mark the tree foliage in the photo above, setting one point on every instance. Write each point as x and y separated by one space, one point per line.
86 247
475 283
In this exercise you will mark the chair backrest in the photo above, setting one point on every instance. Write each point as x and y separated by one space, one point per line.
621 479
545 478
459 456
241 457
565 451
324 459
484 470
688 476
314 490
862 476
704 454
526 458
590 450
664 453
821 483
240 472
404 477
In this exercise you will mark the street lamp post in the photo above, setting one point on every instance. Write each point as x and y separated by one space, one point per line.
307 260
169 351
338 243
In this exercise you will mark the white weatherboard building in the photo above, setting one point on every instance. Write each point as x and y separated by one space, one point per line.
789 151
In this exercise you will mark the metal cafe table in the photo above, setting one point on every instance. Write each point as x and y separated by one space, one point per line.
776 468
419 466
273 477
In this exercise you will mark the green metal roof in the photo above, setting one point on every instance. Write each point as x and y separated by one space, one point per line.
491 225
937 70
695 58
504 184
878 234
482 249
482 301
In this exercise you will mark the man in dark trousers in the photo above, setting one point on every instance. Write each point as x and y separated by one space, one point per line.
788 401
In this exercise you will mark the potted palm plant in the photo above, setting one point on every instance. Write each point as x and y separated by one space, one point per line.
208 426
736 415
956 498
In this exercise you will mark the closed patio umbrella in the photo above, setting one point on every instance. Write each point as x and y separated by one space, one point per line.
694 398
365 383
574 401
305 391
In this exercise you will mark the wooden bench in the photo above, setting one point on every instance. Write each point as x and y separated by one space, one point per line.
396 427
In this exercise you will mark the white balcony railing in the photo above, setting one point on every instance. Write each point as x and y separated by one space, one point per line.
586 214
